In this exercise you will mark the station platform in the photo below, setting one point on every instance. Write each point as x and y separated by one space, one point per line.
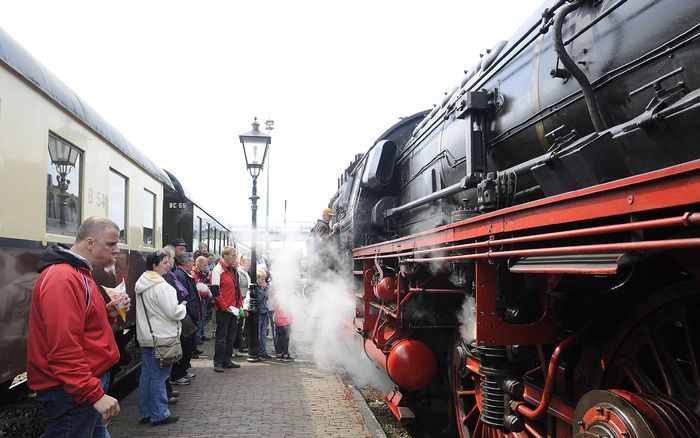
265 399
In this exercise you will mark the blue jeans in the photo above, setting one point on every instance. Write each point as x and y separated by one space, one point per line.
153 399
67 419
202 321
262 325
282 339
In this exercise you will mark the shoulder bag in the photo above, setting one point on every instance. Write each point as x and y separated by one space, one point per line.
166 350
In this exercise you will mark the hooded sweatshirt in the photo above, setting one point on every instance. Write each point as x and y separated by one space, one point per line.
70 335
163 311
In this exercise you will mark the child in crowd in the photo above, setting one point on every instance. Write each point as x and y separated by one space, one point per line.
282 330
262 296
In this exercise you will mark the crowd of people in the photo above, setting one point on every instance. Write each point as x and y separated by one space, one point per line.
72 348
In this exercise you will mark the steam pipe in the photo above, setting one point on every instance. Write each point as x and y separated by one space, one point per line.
686 220
574 249
443 193
572 68
519 407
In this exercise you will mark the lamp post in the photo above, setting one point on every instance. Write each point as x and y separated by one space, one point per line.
63 156
255 145
269 126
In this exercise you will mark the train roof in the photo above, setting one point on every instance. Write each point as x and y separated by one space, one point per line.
25 65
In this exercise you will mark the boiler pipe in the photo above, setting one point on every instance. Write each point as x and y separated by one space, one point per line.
605 248
440 194
686 220
570 65
436 291
520 408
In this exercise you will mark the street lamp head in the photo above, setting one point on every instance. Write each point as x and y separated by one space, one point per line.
63 156
255 145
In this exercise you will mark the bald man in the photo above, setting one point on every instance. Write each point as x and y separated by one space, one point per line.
71 345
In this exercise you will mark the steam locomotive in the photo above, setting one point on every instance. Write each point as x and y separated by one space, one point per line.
552 196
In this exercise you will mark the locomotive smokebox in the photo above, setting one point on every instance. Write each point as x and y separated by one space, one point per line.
385 290
410 364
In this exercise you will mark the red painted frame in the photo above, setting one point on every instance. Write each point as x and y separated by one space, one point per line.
482 236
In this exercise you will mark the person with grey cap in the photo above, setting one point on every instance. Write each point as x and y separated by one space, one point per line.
322 230
325 242
180 247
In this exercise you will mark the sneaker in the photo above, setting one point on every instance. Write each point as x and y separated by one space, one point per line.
280 356
174 393
218 369
190 376
243 349
253 359
197 352
166 420
265 356
235 352
288 358
182 381
172 401
231 365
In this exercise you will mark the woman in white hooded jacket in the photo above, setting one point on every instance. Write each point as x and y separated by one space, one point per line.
164 315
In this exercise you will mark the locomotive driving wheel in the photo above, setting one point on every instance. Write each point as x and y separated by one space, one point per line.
466 400
652 364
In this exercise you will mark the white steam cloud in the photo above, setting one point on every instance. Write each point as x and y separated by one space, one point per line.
322 308
467 320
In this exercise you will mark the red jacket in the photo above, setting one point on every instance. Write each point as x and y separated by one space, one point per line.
200 277
70 335
281 317
226 278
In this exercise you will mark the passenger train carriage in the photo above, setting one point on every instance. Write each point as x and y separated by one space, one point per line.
60 163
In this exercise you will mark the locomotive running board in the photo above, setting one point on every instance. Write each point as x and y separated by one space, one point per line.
595 263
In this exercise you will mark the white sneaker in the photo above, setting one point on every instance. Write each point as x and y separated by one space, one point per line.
236 352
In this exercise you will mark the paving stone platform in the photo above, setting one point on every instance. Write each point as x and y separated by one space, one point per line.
265 399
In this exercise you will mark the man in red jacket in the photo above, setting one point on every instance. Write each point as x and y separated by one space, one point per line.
71 346
225 288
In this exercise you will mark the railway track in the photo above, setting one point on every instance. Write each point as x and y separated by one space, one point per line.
21 415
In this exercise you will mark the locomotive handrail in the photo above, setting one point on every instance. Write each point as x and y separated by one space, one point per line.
595 248
684 220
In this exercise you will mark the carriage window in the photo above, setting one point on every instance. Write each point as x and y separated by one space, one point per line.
197 232
117 202
149 218
209 243
63 198
216 240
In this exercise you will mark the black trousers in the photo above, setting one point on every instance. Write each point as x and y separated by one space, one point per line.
240 334
181 366
226 332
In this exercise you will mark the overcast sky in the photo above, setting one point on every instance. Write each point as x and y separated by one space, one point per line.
181 80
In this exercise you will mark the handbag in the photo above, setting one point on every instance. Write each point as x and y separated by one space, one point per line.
166 350
188 327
